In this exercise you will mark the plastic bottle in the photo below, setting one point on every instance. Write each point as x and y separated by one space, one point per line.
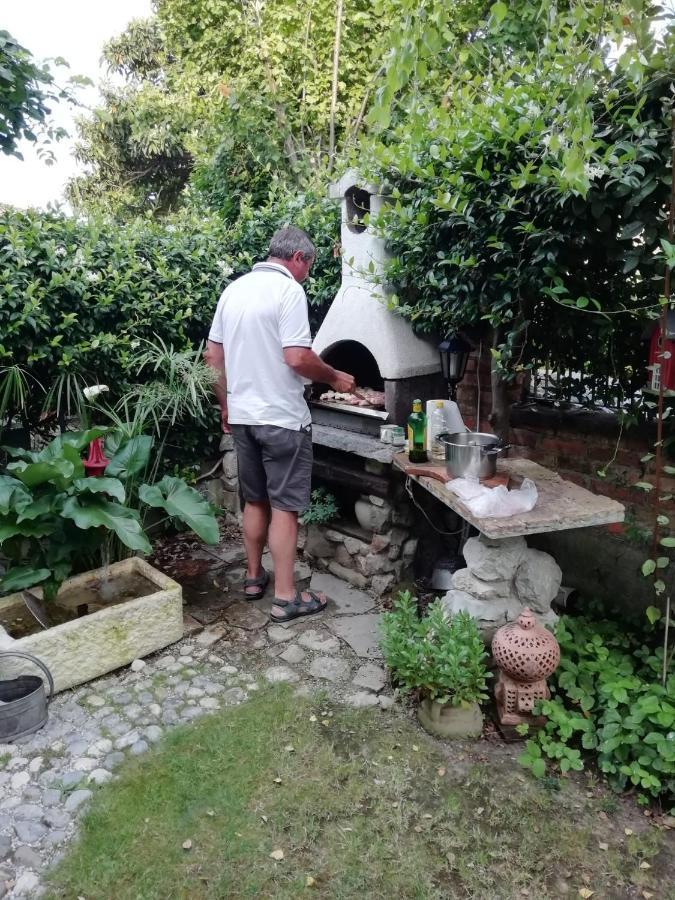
437 425
417 434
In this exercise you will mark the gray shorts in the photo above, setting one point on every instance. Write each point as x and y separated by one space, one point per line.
275 464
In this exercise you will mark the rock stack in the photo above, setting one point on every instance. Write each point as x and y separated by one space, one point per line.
501 577
371 556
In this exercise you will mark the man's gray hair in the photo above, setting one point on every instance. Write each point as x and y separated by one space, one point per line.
290 240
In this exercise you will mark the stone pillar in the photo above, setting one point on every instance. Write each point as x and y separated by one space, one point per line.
501 577
222 489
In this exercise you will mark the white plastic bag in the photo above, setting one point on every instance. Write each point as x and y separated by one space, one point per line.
495 503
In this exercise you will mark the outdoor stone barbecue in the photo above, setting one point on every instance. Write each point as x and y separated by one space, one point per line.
375 542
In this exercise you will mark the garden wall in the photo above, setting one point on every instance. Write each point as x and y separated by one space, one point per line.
581 444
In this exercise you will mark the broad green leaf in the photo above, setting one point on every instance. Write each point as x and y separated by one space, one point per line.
57 471
499 11
26 529
77 440
662 562
667 542
631 230
644 485
538 768
663 520
184 503
20 453
131 458
40 507
648 567
653 614
669 250
13 495
21 577
104 485
93 512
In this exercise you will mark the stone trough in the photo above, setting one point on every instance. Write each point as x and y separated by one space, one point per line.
87 647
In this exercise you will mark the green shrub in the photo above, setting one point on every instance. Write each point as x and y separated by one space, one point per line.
442 658
607 699
79 298
322 509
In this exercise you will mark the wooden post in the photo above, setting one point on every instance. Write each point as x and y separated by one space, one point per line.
334 92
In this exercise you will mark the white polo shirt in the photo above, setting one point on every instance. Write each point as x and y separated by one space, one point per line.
257 316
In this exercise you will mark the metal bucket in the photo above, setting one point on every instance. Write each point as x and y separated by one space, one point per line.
471 454
24 703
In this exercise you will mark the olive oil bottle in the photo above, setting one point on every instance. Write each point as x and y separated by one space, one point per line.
417 434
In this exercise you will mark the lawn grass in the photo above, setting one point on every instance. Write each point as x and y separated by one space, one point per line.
363 805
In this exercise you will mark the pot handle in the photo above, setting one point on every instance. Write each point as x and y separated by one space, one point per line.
38 662
497 448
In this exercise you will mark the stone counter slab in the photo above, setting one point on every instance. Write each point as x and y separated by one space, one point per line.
560 505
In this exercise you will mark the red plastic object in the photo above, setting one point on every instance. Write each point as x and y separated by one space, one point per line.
661 369
95 463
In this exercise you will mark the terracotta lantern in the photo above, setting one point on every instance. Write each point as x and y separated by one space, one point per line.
526 654
95 463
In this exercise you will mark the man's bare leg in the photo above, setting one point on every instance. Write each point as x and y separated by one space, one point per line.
283 541
256 525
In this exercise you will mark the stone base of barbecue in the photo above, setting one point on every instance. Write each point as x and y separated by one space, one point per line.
373 558
373 547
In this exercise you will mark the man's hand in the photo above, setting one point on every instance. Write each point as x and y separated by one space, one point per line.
224 424
343 382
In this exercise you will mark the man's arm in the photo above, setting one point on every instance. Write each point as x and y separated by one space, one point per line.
215 358
308 364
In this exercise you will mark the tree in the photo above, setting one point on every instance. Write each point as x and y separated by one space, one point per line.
135 144
223 99
529 192
26 92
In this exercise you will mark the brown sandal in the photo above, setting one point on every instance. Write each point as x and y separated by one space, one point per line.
299 607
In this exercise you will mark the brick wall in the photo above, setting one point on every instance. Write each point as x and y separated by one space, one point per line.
576 443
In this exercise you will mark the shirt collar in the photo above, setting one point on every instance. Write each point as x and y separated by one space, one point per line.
274 267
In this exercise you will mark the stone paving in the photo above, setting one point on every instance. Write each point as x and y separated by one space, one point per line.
47 778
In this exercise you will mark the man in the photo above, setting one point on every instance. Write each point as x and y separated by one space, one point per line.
260 346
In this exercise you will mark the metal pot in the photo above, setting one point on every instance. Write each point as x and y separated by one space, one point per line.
24 702
471 454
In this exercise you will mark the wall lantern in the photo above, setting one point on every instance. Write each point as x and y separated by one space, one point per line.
454 357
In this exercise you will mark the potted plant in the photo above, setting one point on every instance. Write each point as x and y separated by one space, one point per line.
440 658
55 522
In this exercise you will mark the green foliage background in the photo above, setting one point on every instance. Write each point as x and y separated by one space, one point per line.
529 168
78 296
27 91
221 100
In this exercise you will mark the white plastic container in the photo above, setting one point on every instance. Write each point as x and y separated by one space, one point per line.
453 418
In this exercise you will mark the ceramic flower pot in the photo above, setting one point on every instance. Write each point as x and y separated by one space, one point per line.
455 722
